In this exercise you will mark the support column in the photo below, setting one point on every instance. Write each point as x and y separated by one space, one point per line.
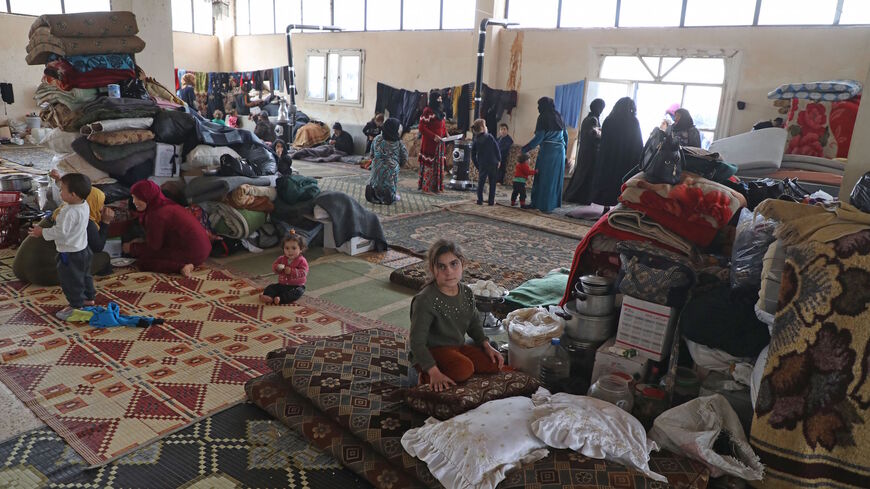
859 151
154 19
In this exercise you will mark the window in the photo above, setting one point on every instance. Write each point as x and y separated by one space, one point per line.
334 76
457 14
855 12
286 12
76 6
650 13
588 13
658 82
35 7
202 17
733 12
797 12
243 20
421 14
315 12
182 16
383 15
534 13
262 20
350 15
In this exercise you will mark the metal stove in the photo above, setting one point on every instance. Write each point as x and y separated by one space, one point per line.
460 179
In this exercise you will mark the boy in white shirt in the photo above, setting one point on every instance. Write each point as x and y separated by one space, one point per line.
70 236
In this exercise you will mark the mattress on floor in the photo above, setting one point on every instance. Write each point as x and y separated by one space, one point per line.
342 396
755 150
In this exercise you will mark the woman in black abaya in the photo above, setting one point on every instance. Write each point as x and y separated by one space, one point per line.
580 187
620 150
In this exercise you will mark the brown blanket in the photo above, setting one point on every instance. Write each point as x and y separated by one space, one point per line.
119 138
43 45
88 24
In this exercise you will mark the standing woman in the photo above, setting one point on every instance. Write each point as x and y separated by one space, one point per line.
620 150
433 161
388 155
187 93
551 135
580 188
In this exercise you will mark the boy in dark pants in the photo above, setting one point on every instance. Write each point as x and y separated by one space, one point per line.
70 236
521 176
504 147
486 158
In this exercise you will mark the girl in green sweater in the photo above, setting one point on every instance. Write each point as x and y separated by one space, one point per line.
441 315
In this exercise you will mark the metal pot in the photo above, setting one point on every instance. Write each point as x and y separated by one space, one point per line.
16 183
593 305
594 285
588 328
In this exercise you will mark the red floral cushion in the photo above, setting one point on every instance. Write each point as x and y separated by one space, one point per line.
478 389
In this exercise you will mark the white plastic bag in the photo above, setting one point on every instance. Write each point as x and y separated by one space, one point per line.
534 326
705 429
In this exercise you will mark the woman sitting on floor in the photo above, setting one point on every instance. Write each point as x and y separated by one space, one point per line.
441 315
35 259
175 242
388 155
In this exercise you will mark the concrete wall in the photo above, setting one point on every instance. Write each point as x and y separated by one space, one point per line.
768 57
13 68
196 52
154 18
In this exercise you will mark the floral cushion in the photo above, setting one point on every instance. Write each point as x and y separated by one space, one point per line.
480 388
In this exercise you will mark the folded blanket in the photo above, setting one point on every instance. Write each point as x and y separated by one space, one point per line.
117 108
231 222
245 195
261 204
829 90
695 208
350 219
203 189
73 163
84 63
158 91
635 222
74 98
537 292
311 134
116 168
61 117
42 45
88 24
117 125
800 223
319 154
65 77
121 138
112 153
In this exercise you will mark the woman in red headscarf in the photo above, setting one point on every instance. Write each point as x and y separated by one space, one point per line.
175 242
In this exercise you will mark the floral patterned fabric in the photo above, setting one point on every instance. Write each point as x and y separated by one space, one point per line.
821 129
468 395
811 427
351 384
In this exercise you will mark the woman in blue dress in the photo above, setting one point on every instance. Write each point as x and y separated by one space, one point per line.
552 137
388 155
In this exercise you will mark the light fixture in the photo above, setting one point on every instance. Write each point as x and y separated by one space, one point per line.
220 9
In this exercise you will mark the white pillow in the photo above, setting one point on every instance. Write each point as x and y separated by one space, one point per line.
595 428
205 156
477 448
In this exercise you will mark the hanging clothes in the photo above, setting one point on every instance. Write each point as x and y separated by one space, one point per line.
6 93
495 103
569 99
463 117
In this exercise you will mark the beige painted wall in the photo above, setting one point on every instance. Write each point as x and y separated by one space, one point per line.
154 18
13 68
196 52
412 60
770 56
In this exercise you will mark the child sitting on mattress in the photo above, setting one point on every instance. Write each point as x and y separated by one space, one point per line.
292 270
441 315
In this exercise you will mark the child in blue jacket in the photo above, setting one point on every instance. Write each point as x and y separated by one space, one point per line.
486 158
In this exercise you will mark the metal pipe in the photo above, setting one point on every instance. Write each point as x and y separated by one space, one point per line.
481 47
291 71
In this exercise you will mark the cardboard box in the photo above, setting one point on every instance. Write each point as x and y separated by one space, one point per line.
647 327
608 360
167 161
113 247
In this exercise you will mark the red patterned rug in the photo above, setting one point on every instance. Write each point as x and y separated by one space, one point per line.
110 391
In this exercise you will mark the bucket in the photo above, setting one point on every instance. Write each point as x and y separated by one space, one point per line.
33 122
526 360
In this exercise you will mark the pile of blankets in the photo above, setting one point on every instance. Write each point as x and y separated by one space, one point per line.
86 33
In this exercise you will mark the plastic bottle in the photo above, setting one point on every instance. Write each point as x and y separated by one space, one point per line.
555 367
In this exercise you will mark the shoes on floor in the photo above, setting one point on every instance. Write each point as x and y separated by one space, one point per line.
479 203
524 206
513 204
490 203
64 313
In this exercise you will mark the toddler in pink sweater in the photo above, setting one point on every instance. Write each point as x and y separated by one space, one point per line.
292 270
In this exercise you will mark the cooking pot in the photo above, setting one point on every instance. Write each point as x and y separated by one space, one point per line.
595 285
593 305
15 183
588 328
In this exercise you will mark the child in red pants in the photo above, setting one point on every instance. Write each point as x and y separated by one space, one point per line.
441 315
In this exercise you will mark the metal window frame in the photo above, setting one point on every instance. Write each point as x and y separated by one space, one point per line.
341 52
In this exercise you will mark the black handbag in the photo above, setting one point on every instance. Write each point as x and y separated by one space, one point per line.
662 160
235 167
756 191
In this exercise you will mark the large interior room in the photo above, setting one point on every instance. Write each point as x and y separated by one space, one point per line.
434 243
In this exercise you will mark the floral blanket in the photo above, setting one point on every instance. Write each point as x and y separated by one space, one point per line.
811 425
695 208
822 129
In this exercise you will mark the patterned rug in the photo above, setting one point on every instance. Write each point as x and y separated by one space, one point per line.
394 259
110 391
37 158
811 426
412 201
532 218
240 447
415 276
485 240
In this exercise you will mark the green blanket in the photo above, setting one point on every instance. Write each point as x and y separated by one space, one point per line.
540 291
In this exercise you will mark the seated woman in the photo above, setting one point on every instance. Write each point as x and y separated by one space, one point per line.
388 155
35 258
285 162
175 242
